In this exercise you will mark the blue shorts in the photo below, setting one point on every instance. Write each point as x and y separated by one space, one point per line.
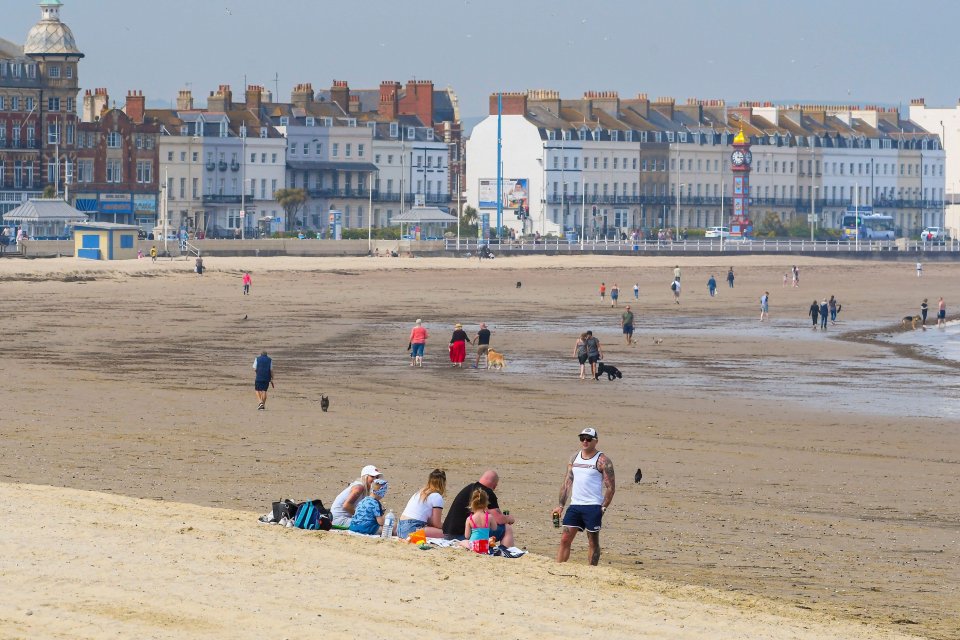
417 350
406 527
261 385
585 517
498 531
941 314
628 329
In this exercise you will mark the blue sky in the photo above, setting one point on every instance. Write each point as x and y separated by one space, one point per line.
834 51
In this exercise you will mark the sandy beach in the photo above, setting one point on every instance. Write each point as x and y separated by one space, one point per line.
796 484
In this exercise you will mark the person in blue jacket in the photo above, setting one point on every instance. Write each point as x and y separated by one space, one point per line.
712 286
263 365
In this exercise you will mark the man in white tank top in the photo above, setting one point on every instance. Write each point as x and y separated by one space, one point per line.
589 484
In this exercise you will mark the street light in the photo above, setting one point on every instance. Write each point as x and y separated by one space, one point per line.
679 189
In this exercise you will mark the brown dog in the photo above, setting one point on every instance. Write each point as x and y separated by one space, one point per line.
913 321
495 359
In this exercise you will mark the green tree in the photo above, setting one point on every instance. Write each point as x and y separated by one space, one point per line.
771 226
292 201
49 192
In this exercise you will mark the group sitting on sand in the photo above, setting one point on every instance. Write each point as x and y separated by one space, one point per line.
474 513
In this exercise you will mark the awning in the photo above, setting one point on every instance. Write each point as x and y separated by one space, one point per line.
44 211
323 165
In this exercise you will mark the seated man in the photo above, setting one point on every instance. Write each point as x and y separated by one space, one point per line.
456 520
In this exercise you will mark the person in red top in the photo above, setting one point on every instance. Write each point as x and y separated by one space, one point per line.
247 280
603 291
418 340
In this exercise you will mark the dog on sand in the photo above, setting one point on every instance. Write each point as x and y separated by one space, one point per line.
324 403
495 360
658 341
612 372
519 284
913 321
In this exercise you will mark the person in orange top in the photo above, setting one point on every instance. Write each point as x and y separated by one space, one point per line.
418 340
603 291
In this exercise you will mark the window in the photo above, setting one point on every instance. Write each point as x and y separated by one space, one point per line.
284 121
359 150
318 148
114 171
183 184
113 140
69 71
347 149
273 158
53 133
53 71
253 158
336 149
293 148
145 173
14 103
394 129
411 133
311 121
70 105
53 104
196 188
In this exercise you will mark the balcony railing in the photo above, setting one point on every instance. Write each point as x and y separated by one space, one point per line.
221 199
19 144
379 196
800 204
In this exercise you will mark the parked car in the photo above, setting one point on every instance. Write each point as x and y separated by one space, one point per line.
717 232
933 234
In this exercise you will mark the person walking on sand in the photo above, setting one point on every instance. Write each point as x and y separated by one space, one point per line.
941 313
263 365
458 346
712 286
824 309
676 273
626 323
199 266
614 294
594 353
675 287
814 313
730 278
796 276
418 342
832 306
482 340
765 306
603 292
580 352
923 314
153 253
786 277
247 281
636 290
589 483
919 269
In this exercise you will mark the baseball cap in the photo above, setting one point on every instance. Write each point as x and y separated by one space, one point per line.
589 431
370 470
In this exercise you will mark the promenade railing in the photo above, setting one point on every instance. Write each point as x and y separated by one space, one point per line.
698 245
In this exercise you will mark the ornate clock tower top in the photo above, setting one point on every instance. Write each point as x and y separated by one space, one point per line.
741 157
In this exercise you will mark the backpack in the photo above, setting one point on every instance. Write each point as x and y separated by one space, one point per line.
673 285
314 516
284 509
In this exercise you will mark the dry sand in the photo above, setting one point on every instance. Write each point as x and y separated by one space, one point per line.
791 489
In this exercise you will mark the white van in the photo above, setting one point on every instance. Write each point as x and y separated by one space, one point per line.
717 232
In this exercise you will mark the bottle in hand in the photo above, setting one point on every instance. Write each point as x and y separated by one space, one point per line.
556 520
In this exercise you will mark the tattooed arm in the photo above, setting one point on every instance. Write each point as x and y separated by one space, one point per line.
605 465
565 487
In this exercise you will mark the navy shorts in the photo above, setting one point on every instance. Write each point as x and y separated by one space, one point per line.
628 328
593 359
416 350
585 517
941 314
498 531
261 385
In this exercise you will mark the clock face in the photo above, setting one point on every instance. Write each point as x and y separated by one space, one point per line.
737 158
748 157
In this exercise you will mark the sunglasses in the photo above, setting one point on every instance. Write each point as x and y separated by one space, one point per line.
585 438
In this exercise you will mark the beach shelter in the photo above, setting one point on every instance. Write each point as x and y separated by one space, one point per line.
44 219
105 240
424 223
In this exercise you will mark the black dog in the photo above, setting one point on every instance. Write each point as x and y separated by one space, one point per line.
611 371
519 284
324 403
638 476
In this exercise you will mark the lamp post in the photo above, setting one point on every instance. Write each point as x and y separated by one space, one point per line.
243 181
679 189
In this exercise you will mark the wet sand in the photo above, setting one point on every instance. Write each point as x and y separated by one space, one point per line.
778 462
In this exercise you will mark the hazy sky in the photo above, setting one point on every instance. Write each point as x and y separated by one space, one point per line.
837 51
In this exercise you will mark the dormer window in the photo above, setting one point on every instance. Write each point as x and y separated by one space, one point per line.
328 122
372 125
583 133
628 136
596 133
614 135
411 133
394 129
551 134
243 131
669 136
683 136
284 121
429 134
351 122
567 134
184 130
263 132
311 121
223 129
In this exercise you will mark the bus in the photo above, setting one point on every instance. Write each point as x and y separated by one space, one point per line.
872 226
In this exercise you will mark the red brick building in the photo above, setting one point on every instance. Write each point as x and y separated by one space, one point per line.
118 160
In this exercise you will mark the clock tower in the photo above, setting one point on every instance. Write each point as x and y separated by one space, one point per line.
740 161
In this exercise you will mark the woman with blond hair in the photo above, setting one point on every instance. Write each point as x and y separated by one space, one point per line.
458 346
425 508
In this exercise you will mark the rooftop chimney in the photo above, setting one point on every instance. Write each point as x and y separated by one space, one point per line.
222 100
302 95
389 100
340 95
185 100
94 103
254 98
418 101
136 106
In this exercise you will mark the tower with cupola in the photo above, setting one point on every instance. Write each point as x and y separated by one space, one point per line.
740 162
